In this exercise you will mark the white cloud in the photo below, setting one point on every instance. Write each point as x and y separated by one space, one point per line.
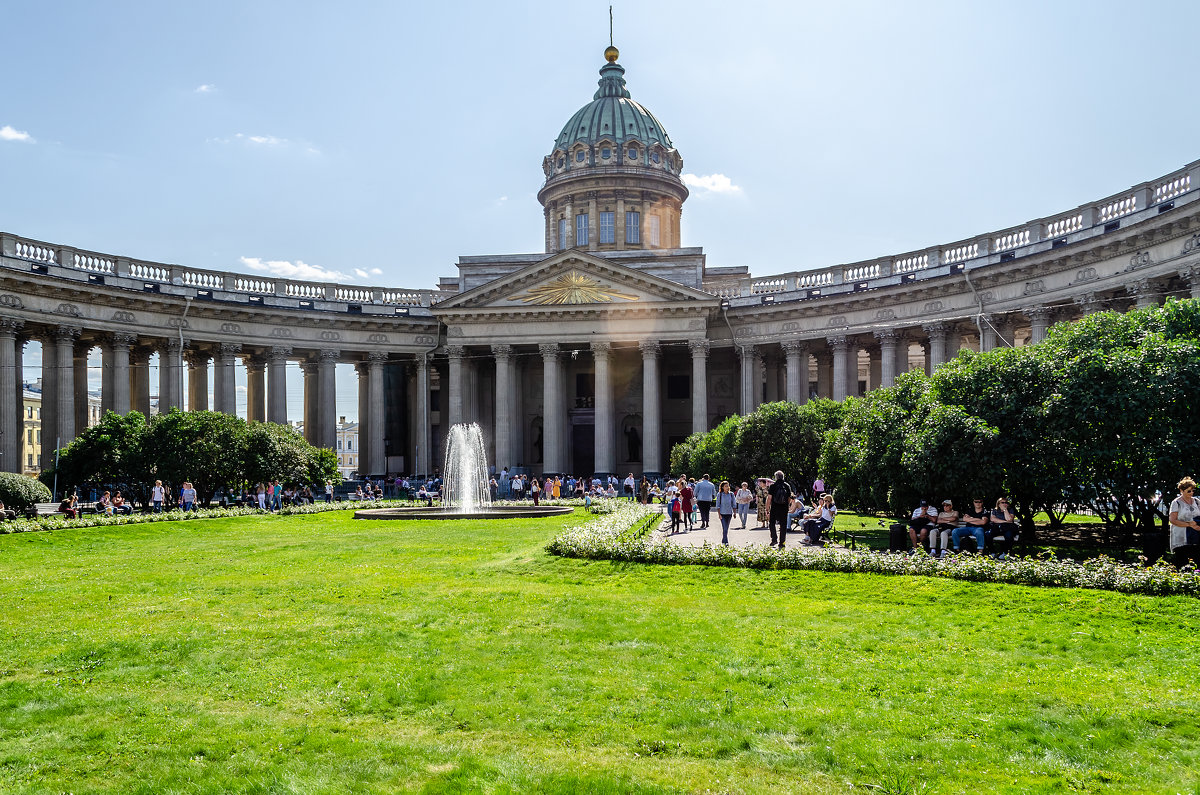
241 388
7 133
263 140
711 183
268 142
205 89
295 270
363 274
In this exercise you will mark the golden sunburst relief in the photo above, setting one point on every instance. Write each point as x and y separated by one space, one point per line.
573 288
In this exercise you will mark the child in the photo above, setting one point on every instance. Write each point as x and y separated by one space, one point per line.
675 507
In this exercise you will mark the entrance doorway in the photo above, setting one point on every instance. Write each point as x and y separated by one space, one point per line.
583 449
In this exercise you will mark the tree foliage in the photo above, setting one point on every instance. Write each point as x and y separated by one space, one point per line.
21 492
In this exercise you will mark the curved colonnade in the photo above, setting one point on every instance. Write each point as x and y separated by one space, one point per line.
583 384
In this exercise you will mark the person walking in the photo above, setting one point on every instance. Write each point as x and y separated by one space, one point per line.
686 498
744 498
726 503
158 495
706 493
535 491
779 497
762 499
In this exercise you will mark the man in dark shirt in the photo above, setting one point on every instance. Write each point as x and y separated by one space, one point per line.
974 519
779 494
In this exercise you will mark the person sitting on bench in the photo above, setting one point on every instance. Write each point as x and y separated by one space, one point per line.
1003 529
974 519
924 516
947 520
818 520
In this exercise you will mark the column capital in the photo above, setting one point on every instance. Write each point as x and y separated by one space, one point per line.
887 336
197 358
649 348
936 329
502 352
1088 302
10 326
455 351
253 364
839 342
795 347
699 348
173 345
362 368
377 357
229 348
1140 287
747 350
329 355
1189 273
139 356
601 349
279 353
1040 312
549 350
66 333
308 367
119 339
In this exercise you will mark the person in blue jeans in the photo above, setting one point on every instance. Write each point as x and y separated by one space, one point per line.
974 519
726 505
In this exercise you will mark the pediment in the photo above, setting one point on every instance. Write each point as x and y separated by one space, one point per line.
575 280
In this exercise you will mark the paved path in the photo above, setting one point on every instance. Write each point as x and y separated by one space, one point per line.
753 534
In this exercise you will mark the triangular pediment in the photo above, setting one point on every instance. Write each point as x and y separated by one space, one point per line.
574 279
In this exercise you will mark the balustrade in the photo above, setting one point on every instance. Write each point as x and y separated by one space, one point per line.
916 262
1115 209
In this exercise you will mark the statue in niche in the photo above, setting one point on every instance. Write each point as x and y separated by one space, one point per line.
537 445
722 387
633 442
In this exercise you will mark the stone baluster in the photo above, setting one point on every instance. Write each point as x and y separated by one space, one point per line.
604 463
11 425
699 349
327 403
651 410
552 408
277 384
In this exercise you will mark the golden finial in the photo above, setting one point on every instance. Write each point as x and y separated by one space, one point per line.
610 53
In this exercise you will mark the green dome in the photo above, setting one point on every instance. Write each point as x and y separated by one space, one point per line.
613 116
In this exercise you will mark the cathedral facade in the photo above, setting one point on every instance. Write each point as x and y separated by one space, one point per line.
593 356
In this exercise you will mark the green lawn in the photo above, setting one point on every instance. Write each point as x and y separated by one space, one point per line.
320 654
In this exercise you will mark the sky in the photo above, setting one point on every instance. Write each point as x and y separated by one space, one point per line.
376 142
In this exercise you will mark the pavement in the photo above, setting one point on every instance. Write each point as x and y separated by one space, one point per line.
753 534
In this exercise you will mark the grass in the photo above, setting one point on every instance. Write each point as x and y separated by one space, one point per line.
319 654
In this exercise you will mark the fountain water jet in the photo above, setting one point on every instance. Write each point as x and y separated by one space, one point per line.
465 493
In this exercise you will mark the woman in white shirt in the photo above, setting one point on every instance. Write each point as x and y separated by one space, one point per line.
744 499
1185 524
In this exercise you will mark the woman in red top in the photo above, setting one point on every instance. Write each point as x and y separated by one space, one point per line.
685 497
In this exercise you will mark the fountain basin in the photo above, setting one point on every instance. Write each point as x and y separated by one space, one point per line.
492 512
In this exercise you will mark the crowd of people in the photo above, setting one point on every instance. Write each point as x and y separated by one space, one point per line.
942 531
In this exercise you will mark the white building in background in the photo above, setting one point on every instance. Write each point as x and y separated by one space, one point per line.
347 448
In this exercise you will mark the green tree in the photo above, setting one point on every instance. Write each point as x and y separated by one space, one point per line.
20 492
782 436
207 448
112 451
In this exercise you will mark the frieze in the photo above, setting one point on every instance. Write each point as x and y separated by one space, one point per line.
123 317
231 328
885 314
743 332
838 321
1086 275
791 325
1139 260
330 336
281 332
68 309
424 339
1034 287
377 338
933 306
178 322
11 301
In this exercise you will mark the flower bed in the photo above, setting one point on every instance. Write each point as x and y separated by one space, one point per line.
620 535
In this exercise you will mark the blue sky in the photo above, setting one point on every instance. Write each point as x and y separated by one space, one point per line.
377 142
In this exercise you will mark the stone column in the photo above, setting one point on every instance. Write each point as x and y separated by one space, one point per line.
256 389
604 463
106 376
874 367
64 428
422 431
796 363
552 408
376 425
197 380
82 410
1144 291
139 381
363 371
888 342
1191 277
938 333
454 392
824 373
224 381
1040 318
987 333
651 411
170 376
311 430
277 384
840 346
326 407
120 371
699 349
11 425
504 412
750 383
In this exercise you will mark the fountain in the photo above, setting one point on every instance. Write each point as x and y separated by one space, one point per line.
465 493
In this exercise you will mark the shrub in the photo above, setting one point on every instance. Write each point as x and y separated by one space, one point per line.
20 492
